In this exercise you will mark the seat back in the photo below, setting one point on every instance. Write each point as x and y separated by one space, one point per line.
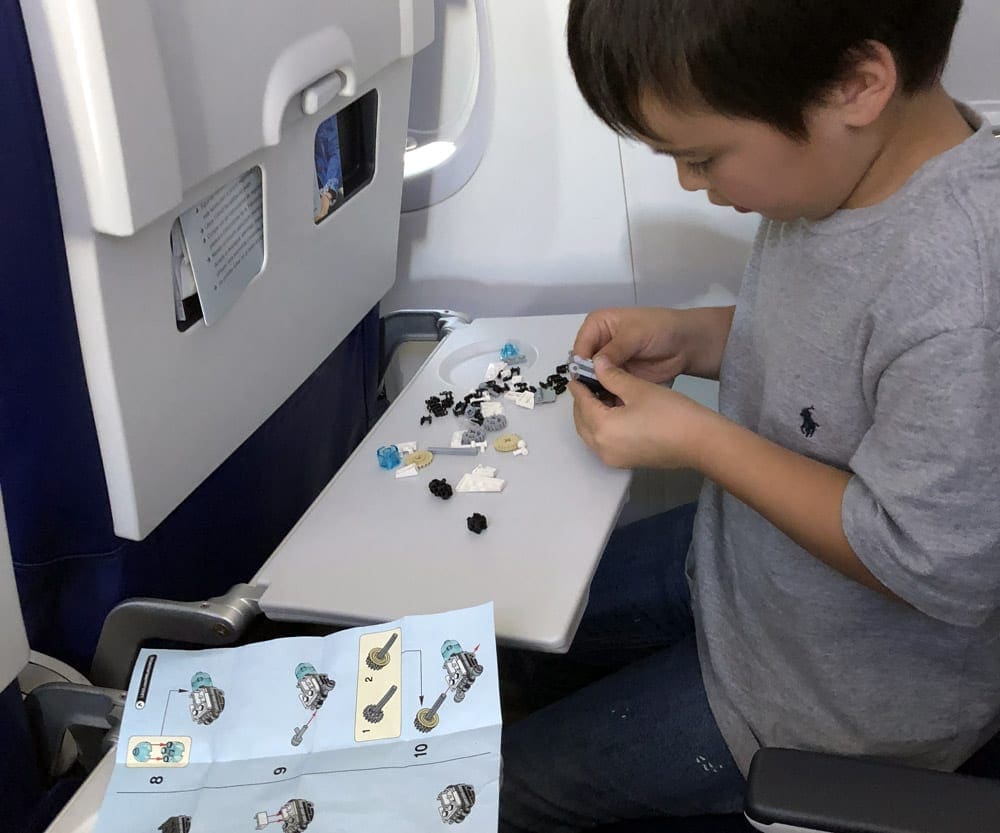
71 569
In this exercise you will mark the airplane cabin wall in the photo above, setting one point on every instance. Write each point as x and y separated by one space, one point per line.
562 217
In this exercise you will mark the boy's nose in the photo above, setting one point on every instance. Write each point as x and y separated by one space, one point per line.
688 180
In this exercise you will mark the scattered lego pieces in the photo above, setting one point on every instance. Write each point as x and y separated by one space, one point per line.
506 442
440 488
406 471
476 522
388 457
418 459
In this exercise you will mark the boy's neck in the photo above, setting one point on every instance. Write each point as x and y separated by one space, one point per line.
913 130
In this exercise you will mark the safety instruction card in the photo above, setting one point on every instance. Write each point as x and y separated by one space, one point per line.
390 727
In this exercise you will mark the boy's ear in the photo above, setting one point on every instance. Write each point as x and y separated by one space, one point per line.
862 95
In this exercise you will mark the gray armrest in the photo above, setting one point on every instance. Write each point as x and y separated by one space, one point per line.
791 790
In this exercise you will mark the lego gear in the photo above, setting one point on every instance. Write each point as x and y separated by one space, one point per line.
372 713
506 442
422 458
425 721
374 662
473 435
496 422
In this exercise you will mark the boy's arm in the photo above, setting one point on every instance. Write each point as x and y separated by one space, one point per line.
707 329
802 497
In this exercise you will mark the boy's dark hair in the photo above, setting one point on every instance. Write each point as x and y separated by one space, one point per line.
765 60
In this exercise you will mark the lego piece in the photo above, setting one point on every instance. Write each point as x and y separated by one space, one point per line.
419 459
494 369
545 396
497 422
406 448
426 420
511 353
582 370
506 442
478 483
440 488
460 450
492 408
472 435
485 471
476 522
525 399
406 471
521 450
388 457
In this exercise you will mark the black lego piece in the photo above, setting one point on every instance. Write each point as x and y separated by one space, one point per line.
426 420
440 488
476 523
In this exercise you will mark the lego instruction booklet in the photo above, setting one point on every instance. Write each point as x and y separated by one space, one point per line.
387 727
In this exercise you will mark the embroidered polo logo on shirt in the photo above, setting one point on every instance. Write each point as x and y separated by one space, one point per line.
809 426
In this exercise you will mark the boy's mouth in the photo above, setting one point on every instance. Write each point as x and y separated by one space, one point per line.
741 209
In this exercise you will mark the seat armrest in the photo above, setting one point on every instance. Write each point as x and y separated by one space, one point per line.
790 790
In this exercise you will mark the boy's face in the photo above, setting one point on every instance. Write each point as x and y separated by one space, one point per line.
755 167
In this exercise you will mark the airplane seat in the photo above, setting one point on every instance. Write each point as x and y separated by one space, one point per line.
24 793
70 566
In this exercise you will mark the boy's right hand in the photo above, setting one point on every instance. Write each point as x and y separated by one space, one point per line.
648 342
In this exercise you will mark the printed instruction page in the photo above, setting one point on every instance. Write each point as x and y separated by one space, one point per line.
388 727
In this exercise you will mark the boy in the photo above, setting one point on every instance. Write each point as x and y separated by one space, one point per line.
841 589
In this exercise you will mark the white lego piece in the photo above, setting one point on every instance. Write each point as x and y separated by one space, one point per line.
522 444
406 471
493 369
492 409
476 483
456 439
520 452
406 448
485 471
524 400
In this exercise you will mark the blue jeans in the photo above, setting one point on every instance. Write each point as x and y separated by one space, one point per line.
638 740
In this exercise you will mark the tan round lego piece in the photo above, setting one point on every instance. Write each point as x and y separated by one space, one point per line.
419 459
507 442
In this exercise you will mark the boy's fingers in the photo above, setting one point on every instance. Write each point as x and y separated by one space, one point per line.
614 379
585 404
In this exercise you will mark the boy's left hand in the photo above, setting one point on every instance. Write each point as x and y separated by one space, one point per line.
653 427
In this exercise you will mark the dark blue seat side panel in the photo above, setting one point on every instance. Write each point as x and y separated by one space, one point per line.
71 568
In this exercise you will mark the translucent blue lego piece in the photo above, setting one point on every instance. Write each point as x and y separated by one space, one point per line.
450 648
201 680
510 354
388 456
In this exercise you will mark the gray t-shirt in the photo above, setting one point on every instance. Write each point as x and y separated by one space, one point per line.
869 341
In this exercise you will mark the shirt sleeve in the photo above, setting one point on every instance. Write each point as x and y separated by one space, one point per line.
922 509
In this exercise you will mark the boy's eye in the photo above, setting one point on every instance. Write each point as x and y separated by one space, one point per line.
699 167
